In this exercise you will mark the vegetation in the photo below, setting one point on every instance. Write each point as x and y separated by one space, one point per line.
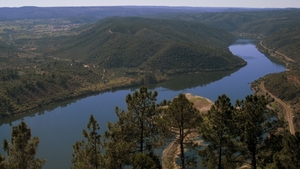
22 150
49 60
49 67
283 45
88 154
279 31
247 133
255 120
287 157
140 131
254 23
143 44
218 130
181 118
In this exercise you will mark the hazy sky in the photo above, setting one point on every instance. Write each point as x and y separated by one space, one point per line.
196 3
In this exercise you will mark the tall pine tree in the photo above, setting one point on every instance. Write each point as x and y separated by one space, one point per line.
22 149
135 134
255 121
87 154
217 131
120 141
182 117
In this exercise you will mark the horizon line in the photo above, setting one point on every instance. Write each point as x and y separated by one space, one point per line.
170 6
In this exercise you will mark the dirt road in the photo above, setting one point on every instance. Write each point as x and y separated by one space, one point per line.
287 109
276 52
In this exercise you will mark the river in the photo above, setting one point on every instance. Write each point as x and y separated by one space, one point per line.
61 126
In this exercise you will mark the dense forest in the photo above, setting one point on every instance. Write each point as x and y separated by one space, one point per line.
231 137
51 62
152 44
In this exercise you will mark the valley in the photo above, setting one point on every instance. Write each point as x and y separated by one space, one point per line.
59 67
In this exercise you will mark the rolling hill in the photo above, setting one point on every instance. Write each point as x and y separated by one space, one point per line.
170 46
256 22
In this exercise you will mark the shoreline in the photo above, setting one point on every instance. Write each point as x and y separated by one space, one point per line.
85 92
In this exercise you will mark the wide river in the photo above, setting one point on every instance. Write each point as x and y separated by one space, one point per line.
60 126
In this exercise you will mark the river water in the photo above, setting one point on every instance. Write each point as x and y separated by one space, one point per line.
59 127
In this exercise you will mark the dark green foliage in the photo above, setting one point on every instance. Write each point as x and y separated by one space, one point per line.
152 44
142 160
286 41
253 23
3 163
254 122
87 153
24 90
22 149
121 141
135 133
142 105
289 155
219 132
286 86
182 117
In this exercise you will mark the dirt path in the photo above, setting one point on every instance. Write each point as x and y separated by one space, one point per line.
276 52
170 153
287 109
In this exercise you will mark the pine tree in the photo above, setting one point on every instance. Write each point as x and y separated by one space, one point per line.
135 134
22 149
3 163
289 155
87 154
142 106
182 117
217 131
120 145
255 121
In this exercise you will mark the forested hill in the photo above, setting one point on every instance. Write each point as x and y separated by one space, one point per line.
285 41
152 44
255 22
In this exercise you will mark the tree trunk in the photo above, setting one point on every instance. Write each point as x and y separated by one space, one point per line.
141 137
220 157
253 159
182 149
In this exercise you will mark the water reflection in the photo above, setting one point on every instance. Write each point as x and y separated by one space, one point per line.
184 81
59 126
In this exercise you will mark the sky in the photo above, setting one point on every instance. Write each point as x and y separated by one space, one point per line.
193 3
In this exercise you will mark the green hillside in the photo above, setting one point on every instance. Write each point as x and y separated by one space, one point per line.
285 85
285 41
152 44
249 23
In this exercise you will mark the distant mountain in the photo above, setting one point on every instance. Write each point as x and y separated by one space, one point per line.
96 13
260 22
152 44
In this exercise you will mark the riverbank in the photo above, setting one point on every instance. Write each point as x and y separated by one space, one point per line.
59 128
260 88
273 53
40 98
39 103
